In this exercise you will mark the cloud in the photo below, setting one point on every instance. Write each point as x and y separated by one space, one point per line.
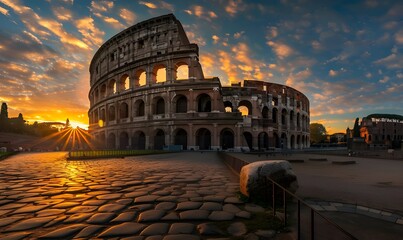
393 61
385 79
272 32
191 31
215 39
101 6
148 4
62 13
281 50
332 73
234 6
92 35
4 11
237 35
200 12
399 37
128 16
228 67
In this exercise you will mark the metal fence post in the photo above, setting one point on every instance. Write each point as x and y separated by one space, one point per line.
273 197
299 221
285 207
312 224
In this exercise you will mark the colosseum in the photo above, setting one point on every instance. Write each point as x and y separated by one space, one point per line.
148 91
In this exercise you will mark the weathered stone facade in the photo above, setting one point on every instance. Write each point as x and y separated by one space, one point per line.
382 130
148 91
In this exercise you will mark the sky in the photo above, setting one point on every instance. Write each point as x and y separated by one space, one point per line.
345 56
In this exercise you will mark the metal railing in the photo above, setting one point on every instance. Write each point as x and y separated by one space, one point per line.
109 153
310 224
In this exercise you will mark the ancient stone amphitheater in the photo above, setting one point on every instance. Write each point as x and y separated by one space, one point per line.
148 91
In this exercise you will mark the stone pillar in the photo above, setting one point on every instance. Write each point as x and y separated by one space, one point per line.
215 141
238 137
191 137
191 102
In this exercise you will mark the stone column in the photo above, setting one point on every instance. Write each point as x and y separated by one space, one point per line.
215 141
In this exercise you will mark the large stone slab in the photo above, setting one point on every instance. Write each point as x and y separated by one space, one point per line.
254 177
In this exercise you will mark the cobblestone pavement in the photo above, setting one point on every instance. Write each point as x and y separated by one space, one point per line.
169 196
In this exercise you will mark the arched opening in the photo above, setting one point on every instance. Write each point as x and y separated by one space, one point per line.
276 141
292 142
298 121
203 103
245 107
291 116
139 140
265 112
111 142
181 138
139 108
125 82
124 140
159 106
182 72
103 91
159 74
248 139
96 95
124 110
181 104
227 138
298 141
274 115
283 141
203 139
101 121
159 140
228 106
283 117
100 141
263 141
140 78
112 113
112 87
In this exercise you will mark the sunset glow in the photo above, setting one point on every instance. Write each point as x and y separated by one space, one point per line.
345 57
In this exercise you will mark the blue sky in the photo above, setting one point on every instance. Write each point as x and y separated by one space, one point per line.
345 56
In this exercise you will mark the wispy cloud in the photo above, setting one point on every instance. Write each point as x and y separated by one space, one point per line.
200 12
128 16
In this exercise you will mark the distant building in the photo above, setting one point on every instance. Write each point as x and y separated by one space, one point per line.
381 130
337 138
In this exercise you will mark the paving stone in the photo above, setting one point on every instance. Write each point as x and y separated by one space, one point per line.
50 212
156 237
172 216
82 209
64 232
31 199
15 236
165 206
181 228
111 208
233 200
209 229
211 206
30 209
181 237
134 238
250 207
251 236
214 198
94 202
12 206
266 233
221 216
30 223
194 215
101 218
123 229
146 199
237 229
66 205
151 215
78 217
124 201
64 196
89 231
9 220
162 193
167 199
55 221
243 214
75 189
155 229
136 194
231 208
111 196
188 206
142 207
125 217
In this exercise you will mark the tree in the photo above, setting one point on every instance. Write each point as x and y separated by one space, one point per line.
3 117
356 129
67 125
318 132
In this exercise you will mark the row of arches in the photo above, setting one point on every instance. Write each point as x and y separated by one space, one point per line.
139 78
180 104
202 139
